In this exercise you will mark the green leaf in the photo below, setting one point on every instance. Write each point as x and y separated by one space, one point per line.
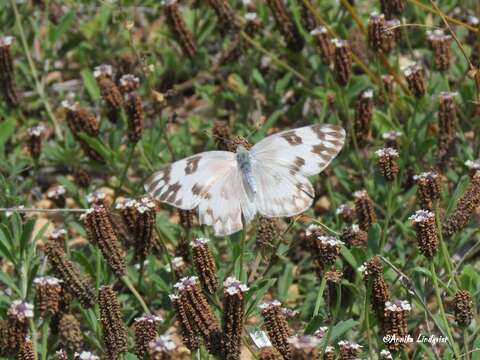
7 128
97 145
285 281
90 84
66 22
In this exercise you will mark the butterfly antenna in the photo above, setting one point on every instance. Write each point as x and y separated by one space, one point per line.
216 136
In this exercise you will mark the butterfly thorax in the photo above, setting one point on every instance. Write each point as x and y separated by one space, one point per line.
245 162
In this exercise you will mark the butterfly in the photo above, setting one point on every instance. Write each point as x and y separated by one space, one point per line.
270 179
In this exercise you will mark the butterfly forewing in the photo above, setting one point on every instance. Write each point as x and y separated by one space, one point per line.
210 181
187 182
307 150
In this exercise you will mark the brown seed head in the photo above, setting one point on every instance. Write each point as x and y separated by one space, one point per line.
353 236
179 29
146 331
233 317
227 21
415 80
426 228
324 46
115 334
363 116
342 65
199 313
128 83
463 307
49 292
269 353
391 139
349 350
26 350
465 208
135 116
82 121
188 328
387 163
7 72
70 333
267 232
388 83
392 8
447 120
73 281
100 232
205 264
34 140
441 46
276 326
428 189
286 25
394 322
81 178
308 19
364 210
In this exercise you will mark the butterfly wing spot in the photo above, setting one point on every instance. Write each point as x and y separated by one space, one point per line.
171 193
323 150
192 165
292 138
201 191
297 165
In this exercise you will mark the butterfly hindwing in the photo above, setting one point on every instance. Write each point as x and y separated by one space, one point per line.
280 193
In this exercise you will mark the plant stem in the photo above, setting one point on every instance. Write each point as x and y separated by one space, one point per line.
125 169
272 56
45 328
241 273
451 341
465 344
134 291
367 320
444 250
38 85
34 334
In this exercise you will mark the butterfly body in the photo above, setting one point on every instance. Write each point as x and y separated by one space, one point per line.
271 178
245 162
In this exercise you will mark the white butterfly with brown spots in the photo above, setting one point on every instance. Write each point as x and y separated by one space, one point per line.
270 178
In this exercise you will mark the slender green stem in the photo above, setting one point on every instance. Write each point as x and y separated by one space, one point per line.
366 311
127 166
444 250
33 331
272 56
465 344
45 328
134 291
388 216
38 85
241 273
451 341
